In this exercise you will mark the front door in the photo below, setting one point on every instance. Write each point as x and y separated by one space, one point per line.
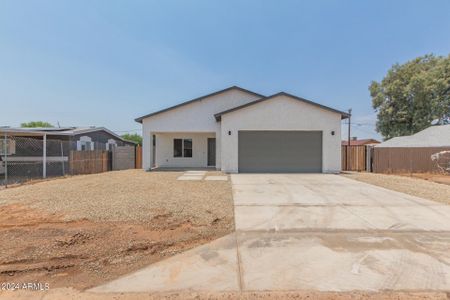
211 152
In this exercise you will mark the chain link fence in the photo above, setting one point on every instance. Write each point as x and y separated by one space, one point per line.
23 158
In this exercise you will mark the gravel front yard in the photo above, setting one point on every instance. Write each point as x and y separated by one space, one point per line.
85 230
131 195
408 185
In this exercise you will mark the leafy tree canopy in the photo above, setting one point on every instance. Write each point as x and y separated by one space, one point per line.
34 124
132 137
412 95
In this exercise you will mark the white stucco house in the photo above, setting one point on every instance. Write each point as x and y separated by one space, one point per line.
237 130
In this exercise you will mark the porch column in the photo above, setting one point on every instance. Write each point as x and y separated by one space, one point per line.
218 149
151 150
146 149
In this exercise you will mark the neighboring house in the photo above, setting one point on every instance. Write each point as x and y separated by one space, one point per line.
355 142
425 151
97 138
237 130
433 136
25 147
80 138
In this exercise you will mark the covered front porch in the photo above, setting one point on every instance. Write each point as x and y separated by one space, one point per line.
183 150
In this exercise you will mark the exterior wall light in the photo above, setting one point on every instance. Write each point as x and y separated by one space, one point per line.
229 132
332 132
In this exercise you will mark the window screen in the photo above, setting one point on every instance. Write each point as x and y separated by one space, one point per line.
177 148
187 148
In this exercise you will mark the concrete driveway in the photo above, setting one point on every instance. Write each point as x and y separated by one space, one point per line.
312 232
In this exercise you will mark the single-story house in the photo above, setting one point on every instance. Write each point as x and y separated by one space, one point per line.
25 148
425 151
78 138
354 141
237 130
433 136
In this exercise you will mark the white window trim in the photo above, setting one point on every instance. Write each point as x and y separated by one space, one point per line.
111 142
83 140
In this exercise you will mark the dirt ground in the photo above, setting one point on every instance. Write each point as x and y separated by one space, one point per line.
438 178
86 230
297 295
421 185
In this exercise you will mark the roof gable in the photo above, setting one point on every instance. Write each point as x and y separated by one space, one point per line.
344 115
139 120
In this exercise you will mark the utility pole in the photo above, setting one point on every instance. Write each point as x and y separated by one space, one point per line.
348 142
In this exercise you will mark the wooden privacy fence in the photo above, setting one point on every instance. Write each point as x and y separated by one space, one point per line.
89 162
406 159
138 157
353 158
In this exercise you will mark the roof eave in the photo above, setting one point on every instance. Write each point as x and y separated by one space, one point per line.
234 87
344 115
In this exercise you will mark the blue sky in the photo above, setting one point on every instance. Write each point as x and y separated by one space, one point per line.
105 63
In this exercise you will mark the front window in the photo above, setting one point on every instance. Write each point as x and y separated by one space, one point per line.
187 151
177 148
85 144
111 144
182 147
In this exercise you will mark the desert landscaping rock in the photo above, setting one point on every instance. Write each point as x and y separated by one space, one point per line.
439 192
299 236
85 230
131 195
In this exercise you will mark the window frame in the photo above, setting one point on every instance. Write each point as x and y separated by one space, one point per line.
187 148
111 144
182 148
86 143
177 152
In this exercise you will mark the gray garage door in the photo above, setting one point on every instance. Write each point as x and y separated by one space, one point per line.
280 151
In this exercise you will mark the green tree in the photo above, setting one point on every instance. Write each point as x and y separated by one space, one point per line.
411 95
132 137
34 124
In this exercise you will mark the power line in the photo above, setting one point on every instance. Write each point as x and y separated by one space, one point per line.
366 131
360 124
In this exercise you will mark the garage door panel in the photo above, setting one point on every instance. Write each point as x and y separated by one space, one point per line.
280 151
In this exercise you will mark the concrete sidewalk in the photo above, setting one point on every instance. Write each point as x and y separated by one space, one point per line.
312 232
